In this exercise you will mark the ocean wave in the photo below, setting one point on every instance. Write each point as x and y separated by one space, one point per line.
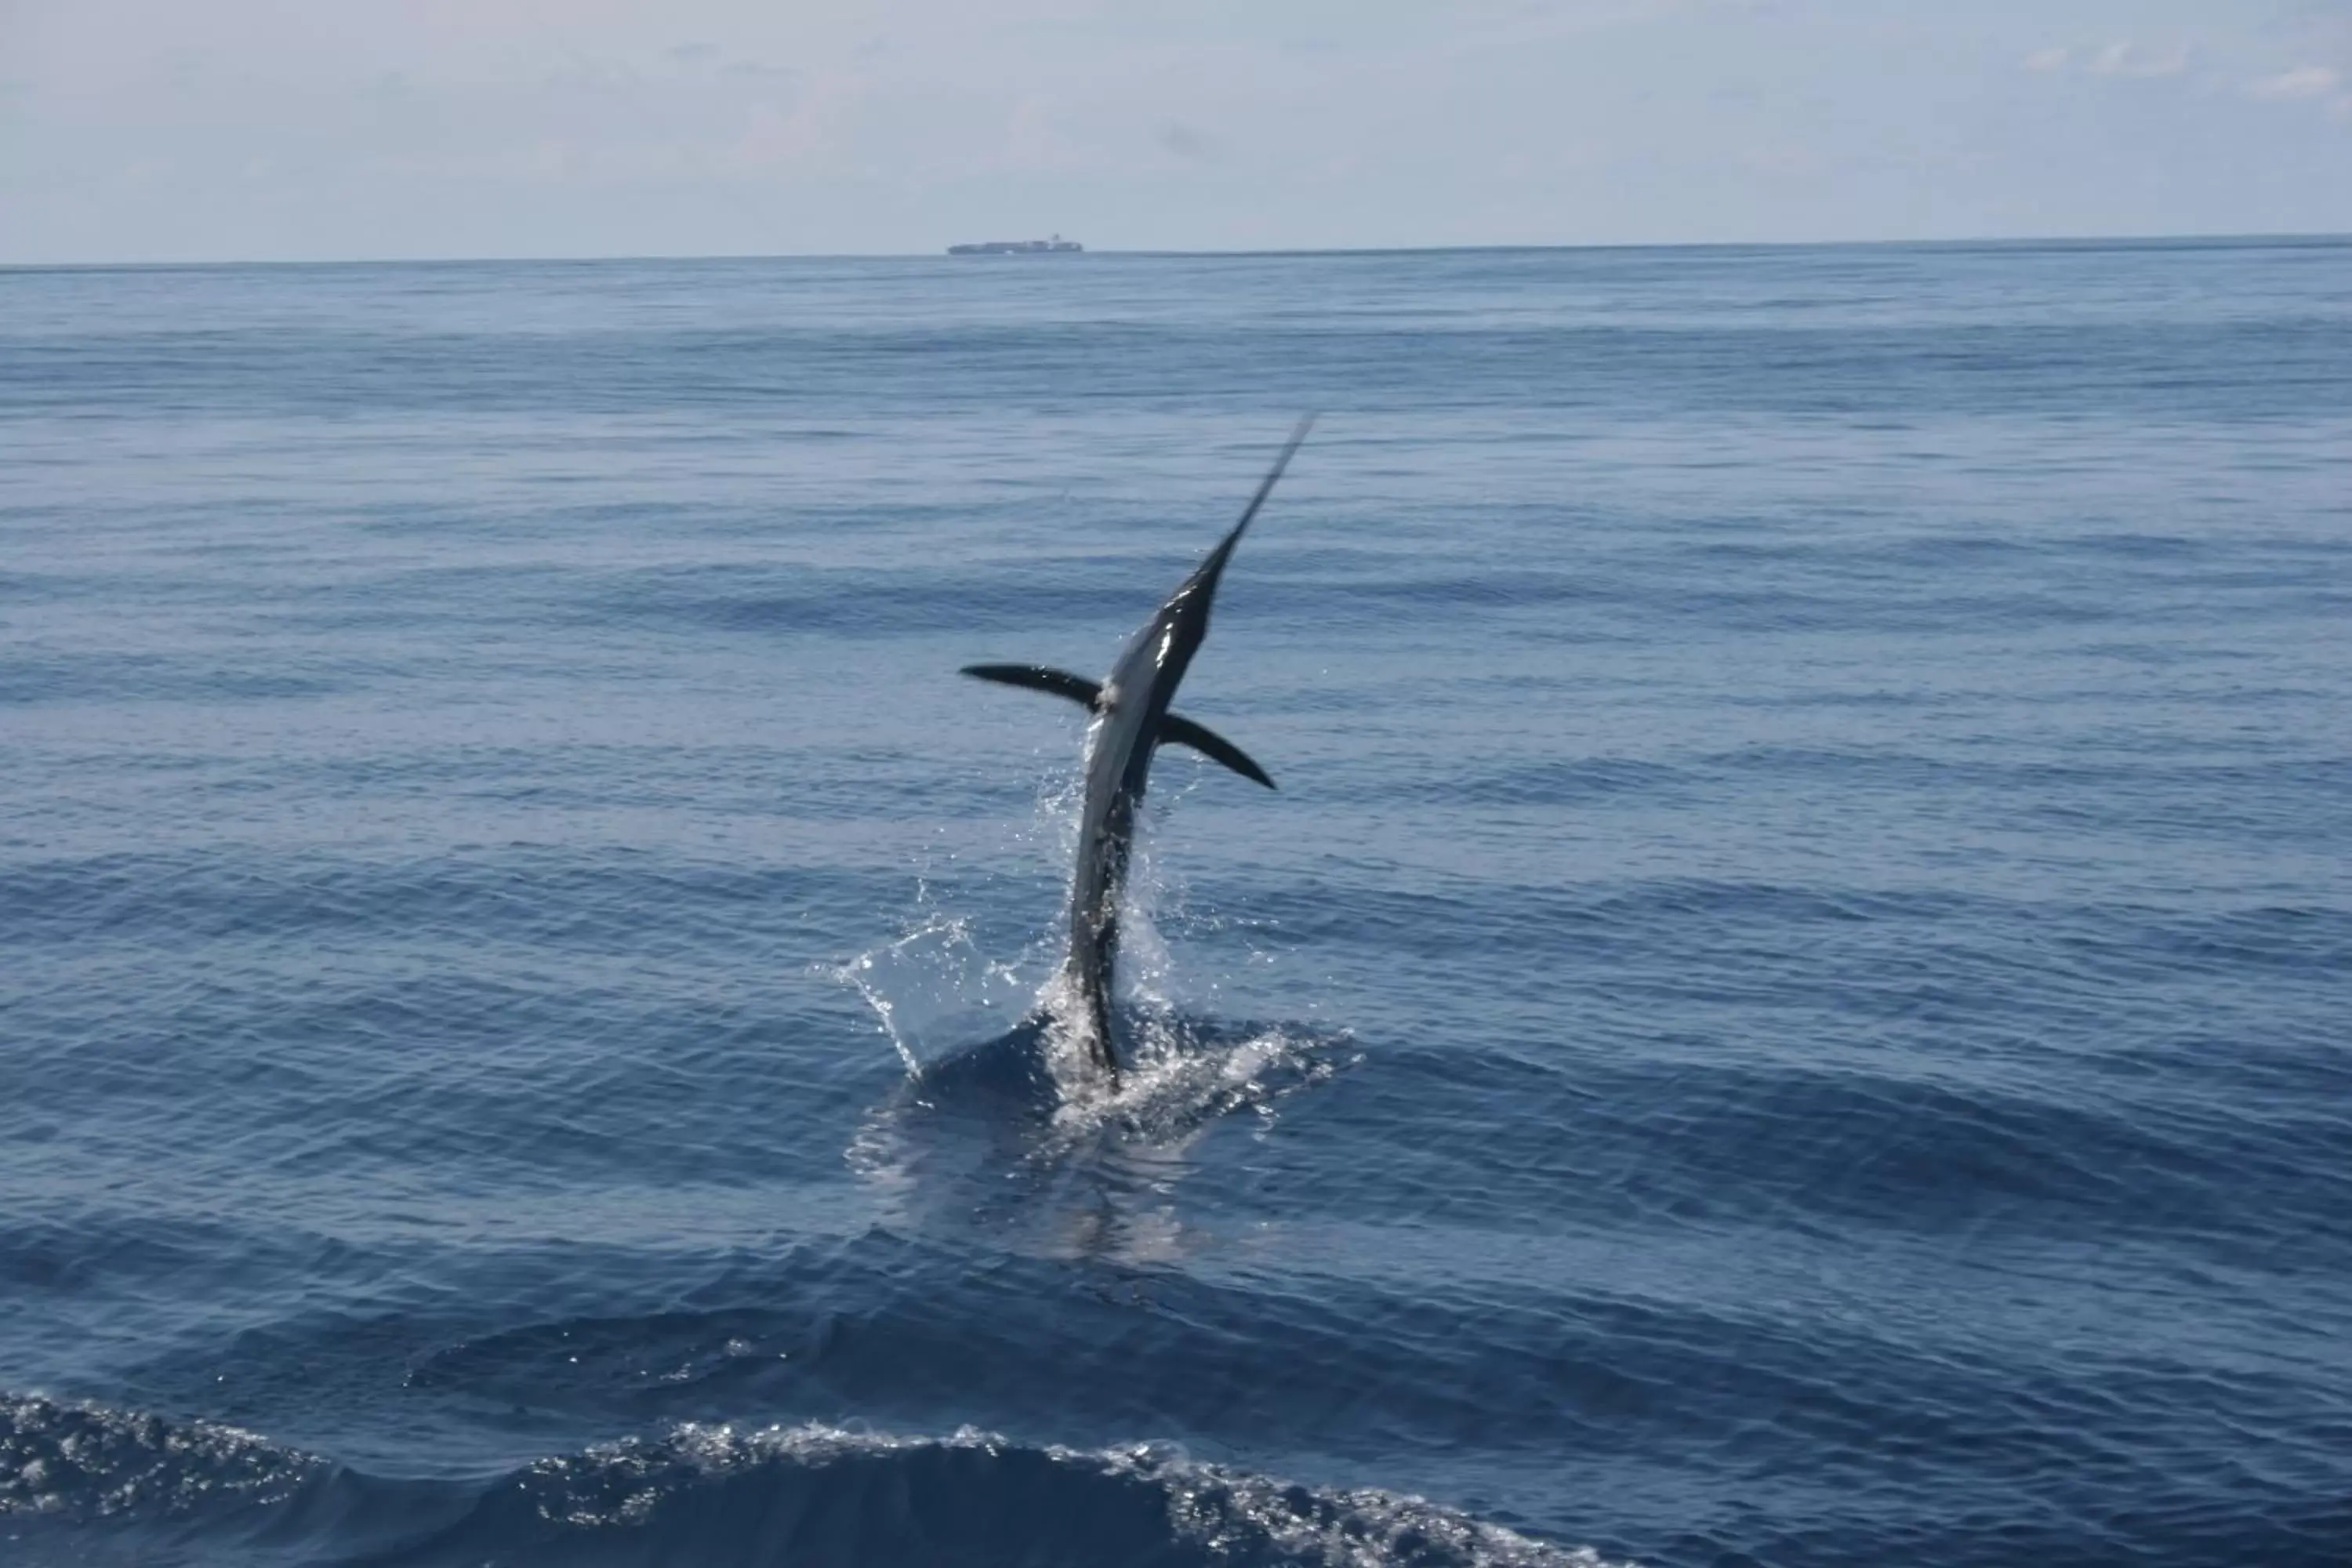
84 1462
715 1494
724 1493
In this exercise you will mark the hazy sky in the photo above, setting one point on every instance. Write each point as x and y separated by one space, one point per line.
261 129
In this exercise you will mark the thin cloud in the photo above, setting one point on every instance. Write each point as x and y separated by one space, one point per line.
2048 60
2129 60
2303 81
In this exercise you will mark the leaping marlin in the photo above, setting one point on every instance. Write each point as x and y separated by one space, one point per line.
1130 722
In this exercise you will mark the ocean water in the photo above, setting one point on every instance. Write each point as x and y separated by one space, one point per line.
1791 1006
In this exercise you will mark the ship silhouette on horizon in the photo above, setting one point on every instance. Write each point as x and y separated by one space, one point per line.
1016 247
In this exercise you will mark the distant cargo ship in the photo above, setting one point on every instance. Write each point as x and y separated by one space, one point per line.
1016 246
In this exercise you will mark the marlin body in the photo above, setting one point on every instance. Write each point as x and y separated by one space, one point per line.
1131 719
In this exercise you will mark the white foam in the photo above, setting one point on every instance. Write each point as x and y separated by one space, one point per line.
86 1461
1221 1510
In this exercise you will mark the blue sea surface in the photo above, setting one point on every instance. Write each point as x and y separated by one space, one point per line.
1793 1005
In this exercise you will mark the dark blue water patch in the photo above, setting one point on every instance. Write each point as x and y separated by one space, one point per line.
1661 1372
2284 799
2170 370
714 1493
1359 913
1958 1158
1564 785
566 901
1521 1362
849 604
30 678
1786 1009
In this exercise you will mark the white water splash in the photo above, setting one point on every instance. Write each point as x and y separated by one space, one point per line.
934 991
1177 1082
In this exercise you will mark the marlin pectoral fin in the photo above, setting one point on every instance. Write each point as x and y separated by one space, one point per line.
1209 743
1037 678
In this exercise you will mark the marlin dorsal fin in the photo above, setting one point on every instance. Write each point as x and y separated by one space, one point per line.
1037 678
1182 732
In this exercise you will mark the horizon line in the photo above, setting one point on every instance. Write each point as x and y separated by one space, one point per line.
2083 241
